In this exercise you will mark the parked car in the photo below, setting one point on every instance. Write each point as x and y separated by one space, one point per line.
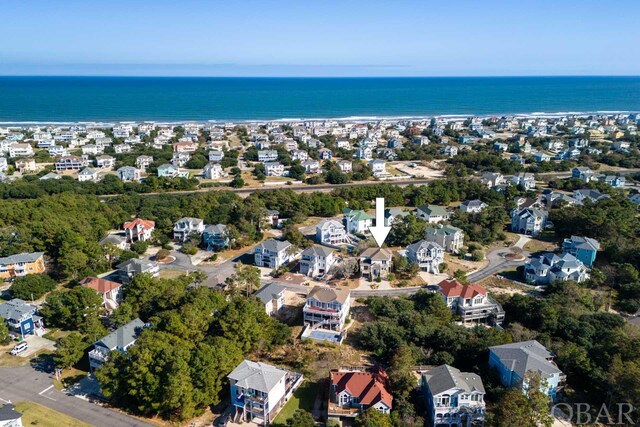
19 348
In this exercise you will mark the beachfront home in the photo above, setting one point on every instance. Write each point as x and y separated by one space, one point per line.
354 391
514 361
375 263
105 162
139 230
213 171
265 156
432 213
273 253
331 232
259 390
168 170
449 237
21 264
454 398
215 237
119 340
357 221
428 255
316 261
529 221
88 174
20 150
185 227
471 302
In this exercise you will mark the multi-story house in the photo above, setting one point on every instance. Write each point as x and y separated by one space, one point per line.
128 174
529 221
449 237
168 170
71 163
20 150
143 162
326 310
316 261
357 221
345 166
105 162
267 156
432 213
139 230
428 255
378 167
325 154
583 248
215 237
110 291
354 391
549 267
88 174
331 232
259 390
471 302
122 148
213 171
311 166
26 165
184 227
9 417
119 340
21 318
128 269
216 156
454 398
473 206
274 168
299 155
272 297
375 263
525 180
273 253
22 264
583 173
185 147
492 179
92 149
514 361
180 159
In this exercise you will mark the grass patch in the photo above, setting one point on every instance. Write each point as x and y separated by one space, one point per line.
69 377
171 274
34 414
303 398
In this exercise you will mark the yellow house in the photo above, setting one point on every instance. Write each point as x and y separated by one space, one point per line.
22 265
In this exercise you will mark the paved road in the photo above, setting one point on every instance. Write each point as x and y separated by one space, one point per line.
25 384
498 262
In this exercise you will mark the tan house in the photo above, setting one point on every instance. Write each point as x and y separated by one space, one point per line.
22 265
26 165
375 262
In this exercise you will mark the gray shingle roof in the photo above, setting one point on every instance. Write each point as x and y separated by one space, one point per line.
274 245
257 376
319 251
446 377
23 257
15 309
123 336
269 292
525 356
8 413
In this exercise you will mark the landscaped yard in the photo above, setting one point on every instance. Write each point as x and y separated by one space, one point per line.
34 414
303 398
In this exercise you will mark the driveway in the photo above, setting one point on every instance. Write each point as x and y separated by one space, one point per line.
36 344
498 261
25 384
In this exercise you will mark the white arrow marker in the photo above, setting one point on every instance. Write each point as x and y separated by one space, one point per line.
380 231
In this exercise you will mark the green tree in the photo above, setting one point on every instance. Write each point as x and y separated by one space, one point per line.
4 333
32 287
70 309
403 382
69 350
246 277
301 418
372 418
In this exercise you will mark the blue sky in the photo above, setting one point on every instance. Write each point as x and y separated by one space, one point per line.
320 38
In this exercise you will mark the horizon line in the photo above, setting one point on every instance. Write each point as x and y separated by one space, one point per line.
314 76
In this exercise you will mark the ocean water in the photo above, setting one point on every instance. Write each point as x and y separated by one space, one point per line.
65 99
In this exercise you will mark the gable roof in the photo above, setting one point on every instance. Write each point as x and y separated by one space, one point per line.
521 357
357 215
8 413
15 309
257 375
434 210
22 257
446 377
123 336
453 288
368 387
144 223
274 245
319 251
101 286
376 254
269 292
